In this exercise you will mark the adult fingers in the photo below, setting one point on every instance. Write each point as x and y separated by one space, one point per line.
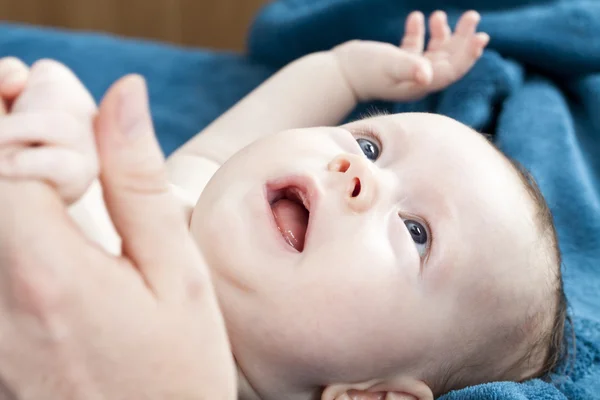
133 175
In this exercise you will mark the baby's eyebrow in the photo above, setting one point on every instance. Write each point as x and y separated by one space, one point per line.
373 113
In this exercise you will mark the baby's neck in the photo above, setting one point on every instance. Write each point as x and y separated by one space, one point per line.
245 390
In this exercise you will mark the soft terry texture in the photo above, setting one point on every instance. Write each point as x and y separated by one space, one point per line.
537 89
188 88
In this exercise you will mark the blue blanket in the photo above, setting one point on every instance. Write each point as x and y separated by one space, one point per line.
537 88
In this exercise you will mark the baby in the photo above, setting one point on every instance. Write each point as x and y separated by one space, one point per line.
397 256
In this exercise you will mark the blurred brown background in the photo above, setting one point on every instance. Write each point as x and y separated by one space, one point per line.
220 24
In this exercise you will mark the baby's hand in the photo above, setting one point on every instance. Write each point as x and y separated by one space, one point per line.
46 127
382 71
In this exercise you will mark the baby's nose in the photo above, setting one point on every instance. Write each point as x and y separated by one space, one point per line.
360 189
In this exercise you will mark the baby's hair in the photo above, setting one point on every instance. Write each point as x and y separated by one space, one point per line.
559 346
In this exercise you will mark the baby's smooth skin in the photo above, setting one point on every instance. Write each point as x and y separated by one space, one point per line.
361 261
410 262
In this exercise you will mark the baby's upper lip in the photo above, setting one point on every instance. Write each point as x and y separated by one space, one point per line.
303 186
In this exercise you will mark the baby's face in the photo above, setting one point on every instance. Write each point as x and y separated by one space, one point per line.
401 261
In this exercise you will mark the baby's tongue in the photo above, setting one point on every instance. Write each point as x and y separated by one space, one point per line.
292 220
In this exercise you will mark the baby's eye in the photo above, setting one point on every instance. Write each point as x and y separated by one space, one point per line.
370 148
419 235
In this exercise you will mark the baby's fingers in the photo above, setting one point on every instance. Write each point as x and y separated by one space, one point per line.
467 24
45 128
440 30
466 55
54 147
480 40
61 167
414 33
13 77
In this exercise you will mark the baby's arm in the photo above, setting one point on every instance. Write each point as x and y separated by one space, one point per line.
310 91
322 88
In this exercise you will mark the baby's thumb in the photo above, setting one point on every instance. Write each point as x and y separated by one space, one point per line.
133 176
408 67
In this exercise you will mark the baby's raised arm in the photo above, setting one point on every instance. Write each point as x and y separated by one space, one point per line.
322 88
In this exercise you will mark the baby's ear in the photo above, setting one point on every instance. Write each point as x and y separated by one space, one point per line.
397 389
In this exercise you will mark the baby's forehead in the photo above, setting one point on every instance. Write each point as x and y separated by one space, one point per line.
452 161
423 124
442 142
428 133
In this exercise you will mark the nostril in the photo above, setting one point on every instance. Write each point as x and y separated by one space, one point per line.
344 166
356 190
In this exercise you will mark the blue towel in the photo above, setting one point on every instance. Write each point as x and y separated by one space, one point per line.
537 89
188 88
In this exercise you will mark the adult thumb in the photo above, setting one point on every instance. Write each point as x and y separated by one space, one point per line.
133 176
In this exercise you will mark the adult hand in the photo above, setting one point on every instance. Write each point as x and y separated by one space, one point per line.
78 323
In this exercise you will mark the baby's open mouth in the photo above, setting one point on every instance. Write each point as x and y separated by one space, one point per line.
290 207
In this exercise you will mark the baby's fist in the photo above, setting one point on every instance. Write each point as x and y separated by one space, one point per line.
48 133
